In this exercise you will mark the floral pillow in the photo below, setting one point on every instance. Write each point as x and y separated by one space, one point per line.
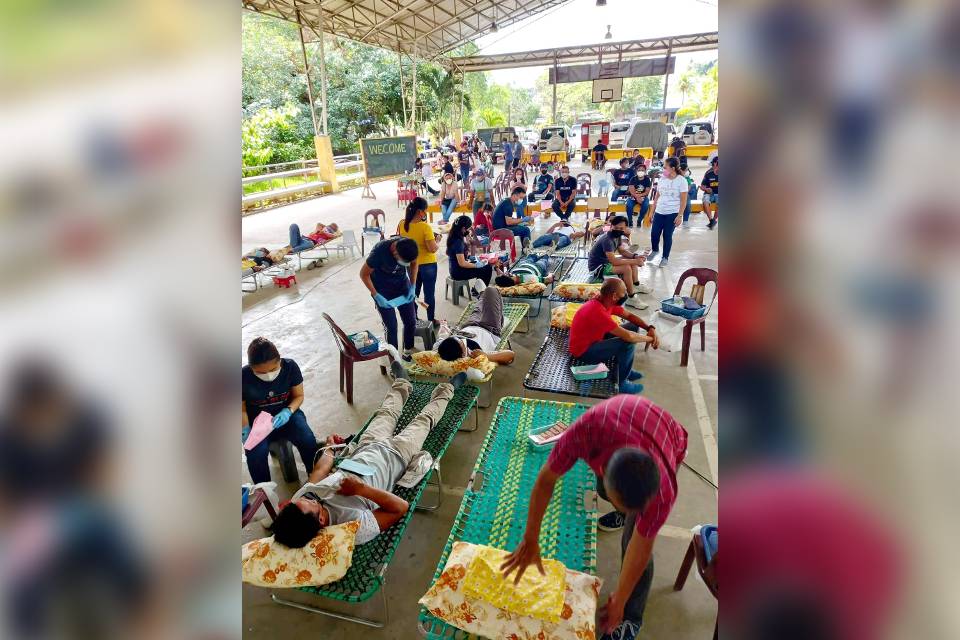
447 601
431 362
526 289
578 290
323 560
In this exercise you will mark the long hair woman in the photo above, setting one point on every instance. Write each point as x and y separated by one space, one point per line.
457 251
416 227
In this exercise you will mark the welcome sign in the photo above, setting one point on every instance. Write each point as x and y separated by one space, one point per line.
384 157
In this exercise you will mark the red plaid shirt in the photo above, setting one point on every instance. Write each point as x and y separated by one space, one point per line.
627 421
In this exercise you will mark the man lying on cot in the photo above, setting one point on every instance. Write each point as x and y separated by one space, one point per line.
560 234
322 233
334 498
480 334
529 268
634 447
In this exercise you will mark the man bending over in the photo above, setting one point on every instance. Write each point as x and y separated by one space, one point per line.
320 502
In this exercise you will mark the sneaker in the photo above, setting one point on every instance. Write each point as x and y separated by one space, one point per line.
711 224
631 388
407 355
633 376
626 631
612 521
458 380
398 370
642 288
685 224
636 303
652 255
663 261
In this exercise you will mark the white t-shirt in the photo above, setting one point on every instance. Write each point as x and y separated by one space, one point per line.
565 231
670 191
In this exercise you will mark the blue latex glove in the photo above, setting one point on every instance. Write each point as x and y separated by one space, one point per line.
526 219
413 292
282 418
244 434
380 300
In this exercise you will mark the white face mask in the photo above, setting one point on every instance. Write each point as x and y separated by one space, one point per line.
270 376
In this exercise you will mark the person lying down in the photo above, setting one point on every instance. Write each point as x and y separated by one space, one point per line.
480 334
334 497
530 268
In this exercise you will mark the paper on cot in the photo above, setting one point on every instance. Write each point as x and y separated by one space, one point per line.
262 427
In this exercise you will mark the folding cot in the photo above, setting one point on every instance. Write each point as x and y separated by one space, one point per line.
515 313
579 271
366 575
550 371
495 502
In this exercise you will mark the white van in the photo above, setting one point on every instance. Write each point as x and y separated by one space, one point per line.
618 133
551 132
699 132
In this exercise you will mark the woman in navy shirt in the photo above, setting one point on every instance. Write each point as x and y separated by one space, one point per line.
388 273
460 267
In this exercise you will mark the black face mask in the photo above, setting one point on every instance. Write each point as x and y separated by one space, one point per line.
621 300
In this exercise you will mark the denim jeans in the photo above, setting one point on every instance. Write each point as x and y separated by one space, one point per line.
691 196
297 241
631 203
427 281
564 212
618 192
464 174
521 231
408 315
298 432
544 240
446 210
662 225
637 602
612 346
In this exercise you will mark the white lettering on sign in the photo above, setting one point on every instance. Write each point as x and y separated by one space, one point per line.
393 147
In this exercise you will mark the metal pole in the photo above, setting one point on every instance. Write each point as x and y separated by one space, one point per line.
306 70
555 78
413 107
666 78
323 76
463 90
403 95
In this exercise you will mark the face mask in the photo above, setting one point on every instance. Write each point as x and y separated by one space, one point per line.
543 171
402 263
268 377
565 175
621 300
449 180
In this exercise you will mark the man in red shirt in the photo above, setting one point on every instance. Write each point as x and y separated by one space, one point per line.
595 336
634 447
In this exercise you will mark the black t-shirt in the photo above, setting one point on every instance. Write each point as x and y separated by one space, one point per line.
455 246
641 182
598 254
447 167
390 279
600 147
565 186
712 180
464 157
271 397
621 177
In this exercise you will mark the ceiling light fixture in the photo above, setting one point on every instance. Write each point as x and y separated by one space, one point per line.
601 3
493 24
609 35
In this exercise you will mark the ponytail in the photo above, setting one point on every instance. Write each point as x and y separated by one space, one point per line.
416 205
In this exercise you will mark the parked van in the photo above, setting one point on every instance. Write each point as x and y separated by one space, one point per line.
547 134
699 132
618 133
495 138
647 133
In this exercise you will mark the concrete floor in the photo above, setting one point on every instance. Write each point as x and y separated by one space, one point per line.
291 318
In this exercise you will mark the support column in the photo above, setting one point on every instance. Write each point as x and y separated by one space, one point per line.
555 78
403 94
323 77
306 71
413 107
666 77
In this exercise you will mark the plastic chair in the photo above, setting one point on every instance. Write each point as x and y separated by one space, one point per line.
374 230
702 549
347 241
456 285
405 193
703 277
350 354
504 236
584 184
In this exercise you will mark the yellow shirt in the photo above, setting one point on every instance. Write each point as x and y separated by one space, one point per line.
420 232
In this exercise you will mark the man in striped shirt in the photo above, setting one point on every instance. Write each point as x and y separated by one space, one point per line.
634 447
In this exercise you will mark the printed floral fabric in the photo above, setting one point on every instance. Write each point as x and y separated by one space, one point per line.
325 559
538 596
526 289
562 317
431 362
447 601
578 290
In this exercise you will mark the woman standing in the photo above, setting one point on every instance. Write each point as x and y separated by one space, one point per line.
669 201
416 227
460 267
519 180
448 196
388 274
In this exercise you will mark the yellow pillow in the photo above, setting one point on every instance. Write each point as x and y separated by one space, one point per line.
578 290
448 602
526 289
538 596
323 560
431 362
562 317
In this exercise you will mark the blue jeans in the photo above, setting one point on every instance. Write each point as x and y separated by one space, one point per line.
298 432
408 315
564 214
612 346
544 240
427 281
298 242
464 174
542 263
446 210
662 225
618 193
521 231
691 196
631 203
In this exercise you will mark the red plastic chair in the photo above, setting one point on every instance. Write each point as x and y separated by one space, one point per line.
703 277
405 193
584 184
374 228
504 236
350 354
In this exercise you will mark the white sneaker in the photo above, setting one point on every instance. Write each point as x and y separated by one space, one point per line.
643 288
636 303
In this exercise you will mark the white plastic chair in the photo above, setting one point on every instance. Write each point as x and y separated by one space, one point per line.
347 241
